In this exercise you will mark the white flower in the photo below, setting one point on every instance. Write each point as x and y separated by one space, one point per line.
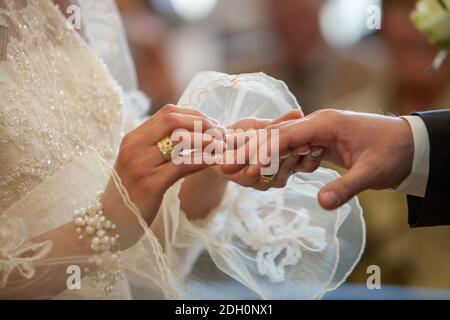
433 18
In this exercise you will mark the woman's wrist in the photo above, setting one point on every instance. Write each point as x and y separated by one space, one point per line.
192 194
127 224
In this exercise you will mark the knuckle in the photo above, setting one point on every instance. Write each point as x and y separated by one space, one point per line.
172 120
169 108
126 156
197 113
328 114
206 123
252 175
263 187
126 140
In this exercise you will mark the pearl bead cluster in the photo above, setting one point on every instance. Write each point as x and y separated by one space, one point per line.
108 270
93 222
107 260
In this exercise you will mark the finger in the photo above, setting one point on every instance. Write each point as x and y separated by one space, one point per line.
291 115
157 130
287 168
250 176
320 128
311 161
190 143
247 177
235 160
171 108
341 190
262 151
257 124
170 172
269 154
184 145
193 112
165 115
301 151
296 133
238 137
251 123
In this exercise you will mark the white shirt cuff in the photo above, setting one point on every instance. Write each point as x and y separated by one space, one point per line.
416 183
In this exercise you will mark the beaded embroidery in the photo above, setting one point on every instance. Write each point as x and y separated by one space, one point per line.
56 99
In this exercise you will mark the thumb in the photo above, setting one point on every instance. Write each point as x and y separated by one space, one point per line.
341 190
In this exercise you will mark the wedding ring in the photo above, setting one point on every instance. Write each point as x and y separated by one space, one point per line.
268 178
165 146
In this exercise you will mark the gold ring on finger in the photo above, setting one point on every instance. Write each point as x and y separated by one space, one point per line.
268 178
165 146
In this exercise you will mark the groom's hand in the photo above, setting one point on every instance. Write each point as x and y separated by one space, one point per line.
248 175
377 150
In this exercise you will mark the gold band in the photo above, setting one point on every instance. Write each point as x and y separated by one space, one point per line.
165 146
268 178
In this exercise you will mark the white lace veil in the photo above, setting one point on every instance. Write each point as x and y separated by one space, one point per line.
279 244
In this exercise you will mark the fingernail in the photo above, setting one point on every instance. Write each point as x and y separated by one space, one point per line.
330 199
317 153
285 156
302 153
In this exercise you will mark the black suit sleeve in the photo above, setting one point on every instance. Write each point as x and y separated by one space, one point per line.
434 208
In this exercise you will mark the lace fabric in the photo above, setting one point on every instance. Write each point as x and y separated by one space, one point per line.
103 31
40 79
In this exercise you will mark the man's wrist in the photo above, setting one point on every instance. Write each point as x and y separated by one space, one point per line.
416 182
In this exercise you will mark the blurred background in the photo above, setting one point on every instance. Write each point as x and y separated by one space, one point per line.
329 58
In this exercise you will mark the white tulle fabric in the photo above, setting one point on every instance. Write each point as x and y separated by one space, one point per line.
63 111
279 244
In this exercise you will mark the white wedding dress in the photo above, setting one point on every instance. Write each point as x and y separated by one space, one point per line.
65 101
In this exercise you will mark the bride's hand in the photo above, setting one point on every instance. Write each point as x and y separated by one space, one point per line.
248 175
143 170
